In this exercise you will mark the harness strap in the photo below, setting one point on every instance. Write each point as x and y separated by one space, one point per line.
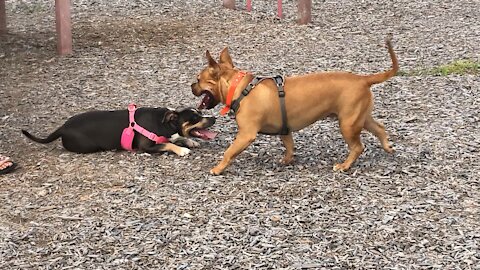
150 135
236 103
281 94
279 81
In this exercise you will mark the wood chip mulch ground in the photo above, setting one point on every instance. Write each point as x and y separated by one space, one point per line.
416 209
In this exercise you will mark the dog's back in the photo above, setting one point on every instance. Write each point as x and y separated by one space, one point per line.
89 132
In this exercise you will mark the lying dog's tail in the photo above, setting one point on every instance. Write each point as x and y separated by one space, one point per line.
52 137
381 77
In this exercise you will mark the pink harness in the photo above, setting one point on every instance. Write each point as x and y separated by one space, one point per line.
129 132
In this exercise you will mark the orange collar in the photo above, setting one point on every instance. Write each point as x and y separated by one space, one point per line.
231 91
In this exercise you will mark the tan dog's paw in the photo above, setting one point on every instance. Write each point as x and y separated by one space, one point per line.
340 167
387 146
390 150
287 160
183 151
216 171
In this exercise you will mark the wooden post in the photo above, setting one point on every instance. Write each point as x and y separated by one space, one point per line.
249 5
229 4
3 18
304 11
64 26
279 9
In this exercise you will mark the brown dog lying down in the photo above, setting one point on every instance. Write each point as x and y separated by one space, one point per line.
308 98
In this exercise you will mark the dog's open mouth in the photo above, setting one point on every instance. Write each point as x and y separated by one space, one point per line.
207 101
204 134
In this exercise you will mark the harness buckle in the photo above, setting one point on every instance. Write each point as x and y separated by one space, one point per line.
233 109
132 107
152 137
278 80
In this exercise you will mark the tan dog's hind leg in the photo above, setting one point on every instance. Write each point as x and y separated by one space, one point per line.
351 134
378 130
288 143
244 139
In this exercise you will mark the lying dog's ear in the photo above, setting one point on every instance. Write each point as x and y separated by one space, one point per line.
170 116
225 58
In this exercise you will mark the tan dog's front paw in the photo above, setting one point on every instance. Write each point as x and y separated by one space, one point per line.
286 160
216 171
389 149
340 167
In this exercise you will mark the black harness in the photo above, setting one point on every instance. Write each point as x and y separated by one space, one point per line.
281 94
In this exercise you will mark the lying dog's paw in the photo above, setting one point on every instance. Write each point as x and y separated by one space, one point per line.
183 151
191 143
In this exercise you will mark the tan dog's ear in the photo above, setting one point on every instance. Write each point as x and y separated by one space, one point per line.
211 62
225 58
213 65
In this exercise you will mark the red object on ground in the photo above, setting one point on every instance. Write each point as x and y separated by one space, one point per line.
279 9
229 4
304 11
64 26
249 5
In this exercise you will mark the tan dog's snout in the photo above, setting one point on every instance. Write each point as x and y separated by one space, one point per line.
196 89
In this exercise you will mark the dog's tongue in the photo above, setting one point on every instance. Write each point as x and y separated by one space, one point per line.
206 134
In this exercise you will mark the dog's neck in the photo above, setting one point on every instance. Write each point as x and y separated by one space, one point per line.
226 81
232 86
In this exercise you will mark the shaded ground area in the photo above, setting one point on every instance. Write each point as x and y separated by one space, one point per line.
416 209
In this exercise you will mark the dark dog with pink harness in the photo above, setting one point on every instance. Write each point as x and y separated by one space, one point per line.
150 130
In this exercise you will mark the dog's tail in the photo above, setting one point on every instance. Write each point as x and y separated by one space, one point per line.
381 77
52 137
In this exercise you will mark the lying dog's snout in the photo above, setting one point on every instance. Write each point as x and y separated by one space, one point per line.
211 121
207 121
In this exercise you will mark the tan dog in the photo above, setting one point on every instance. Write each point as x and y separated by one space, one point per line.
308 98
